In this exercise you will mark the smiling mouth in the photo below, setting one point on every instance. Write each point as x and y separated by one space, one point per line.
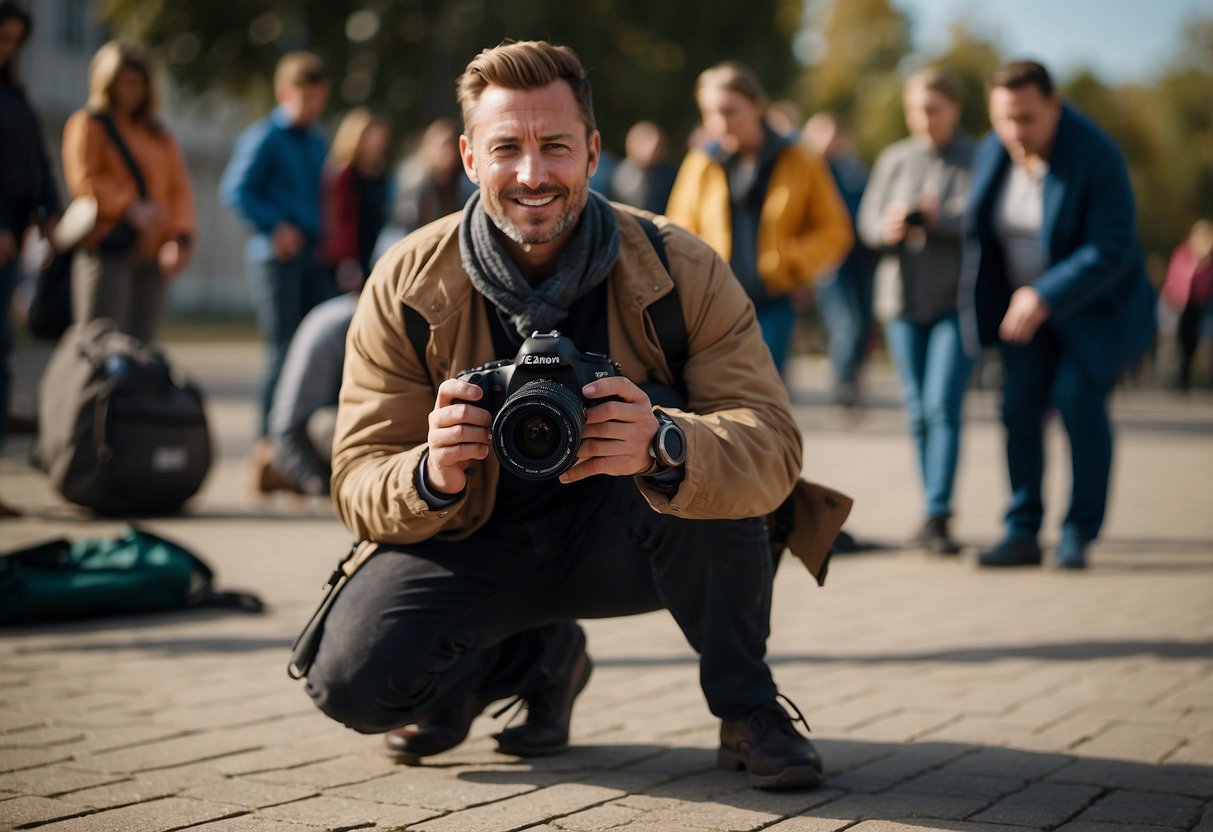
536 201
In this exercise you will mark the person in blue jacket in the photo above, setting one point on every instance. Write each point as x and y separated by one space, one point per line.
273 182
1054 273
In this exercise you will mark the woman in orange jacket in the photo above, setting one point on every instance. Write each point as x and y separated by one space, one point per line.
117 152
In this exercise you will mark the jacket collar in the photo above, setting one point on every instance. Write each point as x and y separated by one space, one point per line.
772 145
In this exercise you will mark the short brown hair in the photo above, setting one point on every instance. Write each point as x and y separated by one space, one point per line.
733 76
1018 74
937 80
300 69
104 69
524 65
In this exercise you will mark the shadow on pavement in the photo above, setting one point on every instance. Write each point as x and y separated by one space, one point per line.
928 781
1061 651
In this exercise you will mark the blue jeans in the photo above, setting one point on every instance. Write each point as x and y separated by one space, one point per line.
9 275
1039 375
845 301
934 371
777 319
283 292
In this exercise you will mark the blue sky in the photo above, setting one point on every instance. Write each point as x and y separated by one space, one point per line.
1123 40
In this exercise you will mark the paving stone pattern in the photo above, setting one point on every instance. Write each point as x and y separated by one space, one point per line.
941 697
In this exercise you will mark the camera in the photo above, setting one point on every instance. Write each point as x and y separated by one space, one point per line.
536 402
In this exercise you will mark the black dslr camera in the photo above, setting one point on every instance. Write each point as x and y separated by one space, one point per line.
538 411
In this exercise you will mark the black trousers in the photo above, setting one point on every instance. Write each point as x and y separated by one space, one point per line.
419 627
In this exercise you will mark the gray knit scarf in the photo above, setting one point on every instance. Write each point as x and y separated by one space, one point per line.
583 264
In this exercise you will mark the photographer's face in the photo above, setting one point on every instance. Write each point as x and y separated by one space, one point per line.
531 155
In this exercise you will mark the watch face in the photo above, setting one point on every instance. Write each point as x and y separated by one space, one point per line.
673 445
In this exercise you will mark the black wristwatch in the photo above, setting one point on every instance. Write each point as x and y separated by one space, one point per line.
669 445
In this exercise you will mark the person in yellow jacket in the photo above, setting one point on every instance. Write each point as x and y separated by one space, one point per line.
145 225
767 206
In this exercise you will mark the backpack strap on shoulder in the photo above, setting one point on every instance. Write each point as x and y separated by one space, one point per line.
418 331
666 313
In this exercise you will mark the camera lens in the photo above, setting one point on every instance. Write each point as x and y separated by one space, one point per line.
536 436
538 430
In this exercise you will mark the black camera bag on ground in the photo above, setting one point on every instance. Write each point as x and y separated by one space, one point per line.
119 431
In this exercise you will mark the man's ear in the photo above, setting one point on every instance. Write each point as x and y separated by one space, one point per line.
468 158
594 151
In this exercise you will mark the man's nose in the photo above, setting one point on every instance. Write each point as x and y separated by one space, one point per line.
531 170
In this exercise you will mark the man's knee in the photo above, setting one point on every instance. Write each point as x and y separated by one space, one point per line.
350 694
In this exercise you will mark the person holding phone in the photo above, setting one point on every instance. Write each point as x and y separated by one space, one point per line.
911 213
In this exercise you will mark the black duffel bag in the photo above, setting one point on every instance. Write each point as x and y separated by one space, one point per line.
119 431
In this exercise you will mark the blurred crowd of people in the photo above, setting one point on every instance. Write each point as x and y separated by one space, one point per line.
790 207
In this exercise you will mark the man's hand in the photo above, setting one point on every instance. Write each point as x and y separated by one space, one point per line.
287 241
893 225
617 434
458 434
1026 312
174 258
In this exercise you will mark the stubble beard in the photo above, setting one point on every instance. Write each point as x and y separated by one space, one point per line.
523 235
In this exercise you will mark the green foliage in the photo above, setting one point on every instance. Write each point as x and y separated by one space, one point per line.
403 56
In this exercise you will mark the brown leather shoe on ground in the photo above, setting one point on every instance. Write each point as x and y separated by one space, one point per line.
768 747
549 710
441 732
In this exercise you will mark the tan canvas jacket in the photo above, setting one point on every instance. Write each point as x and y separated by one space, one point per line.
743 447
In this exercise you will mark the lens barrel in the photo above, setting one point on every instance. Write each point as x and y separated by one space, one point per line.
537 432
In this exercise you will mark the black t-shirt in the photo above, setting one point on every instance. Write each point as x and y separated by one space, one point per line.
518 500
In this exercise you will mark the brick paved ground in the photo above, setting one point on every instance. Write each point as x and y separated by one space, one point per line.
941 698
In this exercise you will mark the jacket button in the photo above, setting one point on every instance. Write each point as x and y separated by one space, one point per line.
434 307
656 288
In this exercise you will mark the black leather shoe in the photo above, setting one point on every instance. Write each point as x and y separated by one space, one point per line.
768 747
549 709
1071 551
440 732
1014 551
936 538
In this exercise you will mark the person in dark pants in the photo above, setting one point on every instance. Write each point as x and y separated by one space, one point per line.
27 188
1054 273
274 182
479 573
844 296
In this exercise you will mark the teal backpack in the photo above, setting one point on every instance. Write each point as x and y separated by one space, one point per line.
136 572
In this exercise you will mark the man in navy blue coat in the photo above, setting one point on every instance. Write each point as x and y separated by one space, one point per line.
1054 274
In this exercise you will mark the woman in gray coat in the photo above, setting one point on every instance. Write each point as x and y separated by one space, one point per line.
911 213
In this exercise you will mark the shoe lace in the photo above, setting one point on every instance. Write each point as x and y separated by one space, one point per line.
538 702
774 717
517 703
